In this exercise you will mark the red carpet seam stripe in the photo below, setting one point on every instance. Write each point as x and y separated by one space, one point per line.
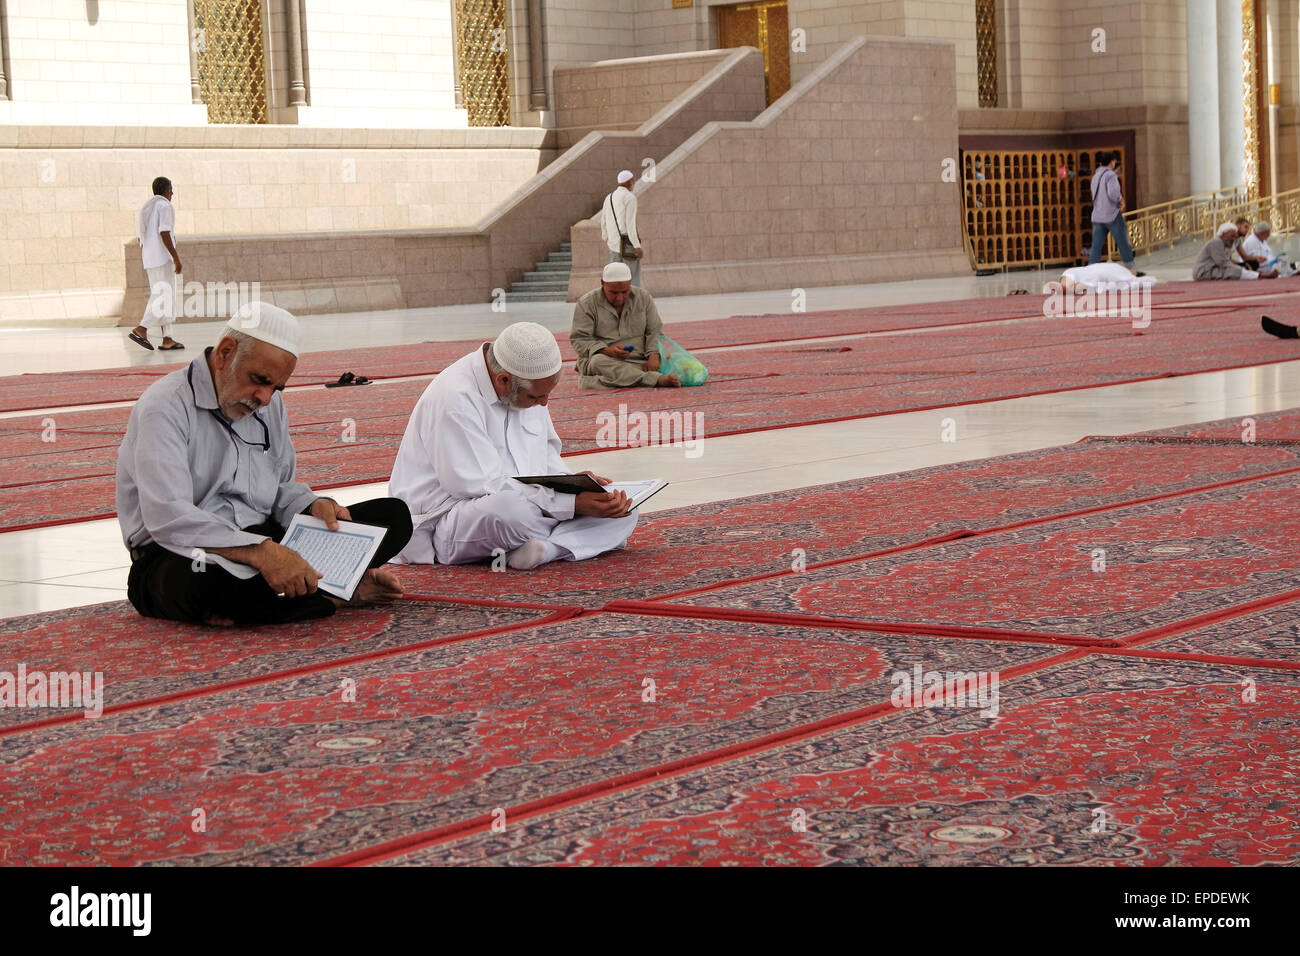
557 615
559 801
1264 663
915 629
1211 617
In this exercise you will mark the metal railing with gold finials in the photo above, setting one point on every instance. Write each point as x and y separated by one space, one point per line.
1197 217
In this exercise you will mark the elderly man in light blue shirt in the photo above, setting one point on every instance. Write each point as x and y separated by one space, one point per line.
205 489
1108 213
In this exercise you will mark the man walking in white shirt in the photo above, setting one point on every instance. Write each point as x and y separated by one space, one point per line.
155 226
618 226
479 425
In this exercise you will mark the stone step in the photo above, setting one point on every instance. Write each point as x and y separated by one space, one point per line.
554 265
513 296
544 279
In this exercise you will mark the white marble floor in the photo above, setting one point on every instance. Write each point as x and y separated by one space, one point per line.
85 563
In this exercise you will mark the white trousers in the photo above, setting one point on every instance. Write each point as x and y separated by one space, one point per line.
479 528
160 311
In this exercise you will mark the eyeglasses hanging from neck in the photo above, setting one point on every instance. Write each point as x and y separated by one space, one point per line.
264 444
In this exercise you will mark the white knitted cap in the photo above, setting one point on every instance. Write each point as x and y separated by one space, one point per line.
616 272
625 176
1226 227
267 323
527 350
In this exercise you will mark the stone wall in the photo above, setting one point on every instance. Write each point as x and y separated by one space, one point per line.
396 268
69 195
623 94
836 183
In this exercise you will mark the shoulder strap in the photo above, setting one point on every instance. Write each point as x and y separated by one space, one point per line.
614 214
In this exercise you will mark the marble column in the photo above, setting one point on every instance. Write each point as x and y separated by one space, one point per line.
196 94
457 94
1271 75
536 57
4 84
1203 95
293 27
1232 117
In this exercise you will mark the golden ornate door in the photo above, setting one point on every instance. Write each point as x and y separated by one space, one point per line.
766 25
228 46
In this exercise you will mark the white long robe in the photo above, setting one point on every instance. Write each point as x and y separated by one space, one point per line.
455 470
1105 275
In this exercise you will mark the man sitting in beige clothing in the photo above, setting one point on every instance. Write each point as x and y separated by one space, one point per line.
616 334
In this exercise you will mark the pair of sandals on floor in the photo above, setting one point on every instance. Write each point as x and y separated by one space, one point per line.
347 378
143 342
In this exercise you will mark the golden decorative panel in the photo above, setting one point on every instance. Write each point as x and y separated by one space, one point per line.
986 51
1029 207
1250 91
481 45
765 25
228 48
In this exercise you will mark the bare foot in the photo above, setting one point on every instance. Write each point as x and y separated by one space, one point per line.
668 381
378 585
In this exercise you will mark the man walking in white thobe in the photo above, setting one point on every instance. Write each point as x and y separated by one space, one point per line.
618 226
155 225
479 425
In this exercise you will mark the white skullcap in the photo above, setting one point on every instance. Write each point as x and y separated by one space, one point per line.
625 176
1227 227
267 323
616 272
1263 226
527 350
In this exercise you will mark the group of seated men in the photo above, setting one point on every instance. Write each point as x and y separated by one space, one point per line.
205 474
1240 251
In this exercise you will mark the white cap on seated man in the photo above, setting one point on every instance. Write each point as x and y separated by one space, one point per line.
480 424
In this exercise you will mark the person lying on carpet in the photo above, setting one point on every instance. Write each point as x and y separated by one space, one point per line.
1102 276
1214 261
205 489
479 425
616 334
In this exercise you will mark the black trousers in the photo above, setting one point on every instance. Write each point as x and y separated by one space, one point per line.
167 585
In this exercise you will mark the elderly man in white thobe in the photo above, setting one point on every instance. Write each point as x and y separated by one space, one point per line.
1256 248
479 425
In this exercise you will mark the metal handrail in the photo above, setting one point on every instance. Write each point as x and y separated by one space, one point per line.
1199 216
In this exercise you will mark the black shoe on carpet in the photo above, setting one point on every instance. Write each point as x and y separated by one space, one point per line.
1277 328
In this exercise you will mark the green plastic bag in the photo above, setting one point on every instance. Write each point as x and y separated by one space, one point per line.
675 360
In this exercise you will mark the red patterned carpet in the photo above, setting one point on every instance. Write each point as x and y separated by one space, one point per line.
1100 578
351 436
148 660
1096 761
1102 638
744 712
